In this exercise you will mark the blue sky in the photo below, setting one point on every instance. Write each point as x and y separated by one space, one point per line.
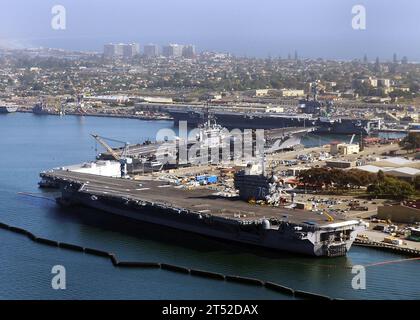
315 28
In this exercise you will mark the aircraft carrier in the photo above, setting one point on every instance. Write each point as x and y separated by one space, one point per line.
203 212
147 157
270 120
312 113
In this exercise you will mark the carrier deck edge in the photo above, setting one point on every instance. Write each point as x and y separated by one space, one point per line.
200 211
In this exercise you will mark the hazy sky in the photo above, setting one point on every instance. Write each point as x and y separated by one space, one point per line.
315 28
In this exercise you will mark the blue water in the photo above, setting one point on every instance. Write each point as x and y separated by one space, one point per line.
30 144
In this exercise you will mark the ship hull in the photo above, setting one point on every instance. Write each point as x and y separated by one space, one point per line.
158 215
243 121
8 109
272 121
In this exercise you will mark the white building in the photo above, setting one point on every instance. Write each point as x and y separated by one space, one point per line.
188 51
405 173
151 50
291 93
130 50
100 168
172 50
121 50
344 148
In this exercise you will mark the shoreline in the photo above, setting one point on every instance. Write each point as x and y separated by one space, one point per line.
386 247
120 116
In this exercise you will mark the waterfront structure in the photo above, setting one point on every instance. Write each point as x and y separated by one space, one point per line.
8 109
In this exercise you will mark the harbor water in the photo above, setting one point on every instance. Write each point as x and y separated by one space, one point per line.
30 144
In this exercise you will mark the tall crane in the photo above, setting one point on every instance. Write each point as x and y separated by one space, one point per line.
122 158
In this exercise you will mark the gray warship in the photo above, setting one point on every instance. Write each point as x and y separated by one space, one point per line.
203 212
8 109
312 114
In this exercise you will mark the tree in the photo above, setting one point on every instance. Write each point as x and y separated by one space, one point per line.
411 142
381 176
339 179
417 183
391 188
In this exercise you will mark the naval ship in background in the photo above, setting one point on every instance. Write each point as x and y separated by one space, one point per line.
8 109
41 108
311 114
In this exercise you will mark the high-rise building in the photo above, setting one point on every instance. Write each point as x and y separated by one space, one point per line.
188 51
121 50
365 58
130 50
109 50
118 50
151 50
172 50
394 58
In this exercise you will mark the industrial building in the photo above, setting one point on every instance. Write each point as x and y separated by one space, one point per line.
404 173
408 212
338 164
344 148
291 93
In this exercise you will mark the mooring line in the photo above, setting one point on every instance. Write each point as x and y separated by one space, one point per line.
168 267
32 195
391 262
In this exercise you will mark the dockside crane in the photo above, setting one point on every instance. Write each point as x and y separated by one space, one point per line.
122 158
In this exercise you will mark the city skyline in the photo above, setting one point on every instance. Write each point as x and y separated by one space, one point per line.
269 28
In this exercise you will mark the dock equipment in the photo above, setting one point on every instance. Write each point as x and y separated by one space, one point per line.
122 158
